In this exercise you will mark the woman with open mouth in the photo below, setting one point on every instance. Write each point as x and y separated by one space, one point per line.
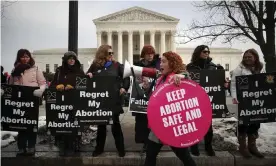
172 69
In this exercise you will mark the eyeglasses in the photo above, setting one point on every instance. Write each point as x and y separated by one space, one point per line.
206 52
110 53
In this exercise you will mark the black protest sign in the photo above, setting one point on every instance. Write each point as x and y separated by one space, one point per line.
212 81
138 97
98 102
257 98
60 112
19 108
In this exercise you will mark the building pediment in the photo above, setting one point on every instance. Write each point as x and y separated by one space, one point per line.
136 14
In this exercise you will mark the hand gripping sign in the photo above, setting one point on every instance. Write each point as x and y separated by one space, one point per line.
180 116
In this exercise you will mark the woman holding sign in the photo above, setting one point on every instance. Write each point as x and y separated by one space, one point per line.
105 65
202 61
149 60
65 79
250 65
171 66
25 73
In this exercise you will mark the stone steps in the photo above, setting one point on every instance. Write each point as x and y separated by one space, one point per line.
223 158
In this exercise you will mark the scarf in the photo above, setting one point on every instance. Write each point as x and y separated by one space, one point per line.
107 64
19 69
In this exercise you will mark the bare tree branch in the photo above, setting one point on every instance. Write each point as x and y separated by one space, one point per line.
253 9
4 5
238 24
237 20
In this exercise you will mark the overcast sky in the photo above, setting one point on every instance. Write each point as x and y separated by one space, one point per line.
43 25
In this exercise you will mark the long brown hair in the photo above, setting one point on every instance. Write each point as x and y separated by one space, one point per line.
21 53
257 65
197 52
101 55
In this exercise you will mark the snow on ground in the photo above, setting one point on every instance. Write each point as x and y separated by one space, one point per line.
225 135
267 138
8 137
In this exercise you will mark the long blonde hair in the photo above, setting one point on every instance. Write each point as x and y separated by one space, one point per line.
101 55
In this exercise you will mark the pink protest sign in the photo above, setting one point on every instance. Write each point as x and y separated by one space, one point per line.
180 116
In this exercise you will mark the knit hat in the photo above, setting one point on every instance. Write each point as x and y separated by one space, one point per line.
70 54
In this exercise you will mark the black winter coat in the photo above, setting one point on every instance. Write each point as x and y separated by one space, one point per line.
203 64
141 120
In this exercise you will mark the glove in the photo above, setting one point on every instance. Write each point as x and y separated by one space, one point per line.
2 92
90 75
38 92
68 87
60 87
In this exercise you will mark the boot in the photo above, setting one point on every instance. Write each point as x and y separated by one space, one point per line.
122 153
144 149
242 147
69 150
208 138
30 151
97 152
21 152
252 146
194 150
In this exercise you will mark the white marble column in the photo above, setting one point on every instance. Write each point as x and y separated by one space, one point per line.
109 38
120 46
152 38
173 49
163 42
130 47
142 40
99 38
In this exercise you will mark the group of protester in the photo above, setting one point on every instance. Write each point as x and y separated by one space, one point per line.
170 65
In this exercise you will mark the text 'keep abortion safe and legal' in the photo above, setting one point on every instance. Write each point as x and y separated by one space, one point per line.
188 110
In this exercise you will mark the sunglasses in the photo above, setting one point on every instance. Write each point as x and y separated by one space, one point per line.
110 53
206 52
247 57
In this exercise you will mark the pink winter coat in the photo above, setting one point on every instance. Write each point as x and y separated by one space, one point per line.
31 77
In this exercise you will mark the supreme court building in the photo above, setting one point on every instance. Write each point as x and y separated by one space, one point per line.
127 31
